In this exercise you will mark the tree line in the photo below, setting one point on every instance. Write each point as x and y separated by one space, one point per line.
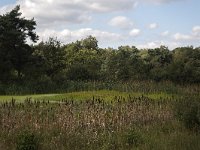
83 60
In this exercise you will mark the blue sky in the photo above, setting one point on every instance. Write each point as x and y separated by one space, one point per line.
142 23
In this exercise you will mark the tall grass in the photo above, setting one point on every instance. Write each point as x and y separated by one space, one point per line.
74 86
123 123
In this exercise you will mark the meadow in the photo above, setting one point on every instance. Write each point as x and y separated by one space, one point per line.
117 116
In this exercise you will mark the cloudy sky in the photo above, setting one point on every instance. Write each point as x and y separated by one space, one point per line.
142 23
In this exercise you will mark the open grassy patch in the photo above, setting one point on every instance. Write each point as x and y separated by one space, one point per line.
21 98
107 95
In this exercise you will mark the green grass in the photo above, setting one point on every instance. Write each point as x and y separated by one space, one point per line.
21 98
85 95
171 136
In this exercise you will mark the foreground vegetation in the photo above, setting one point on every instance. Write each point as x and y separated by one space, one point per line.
132 117
132 123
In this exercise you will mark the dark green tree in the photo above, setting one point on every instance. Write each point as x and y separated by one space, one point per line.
89 43
83 59
125 63
158 60
185 66
15 53
50 59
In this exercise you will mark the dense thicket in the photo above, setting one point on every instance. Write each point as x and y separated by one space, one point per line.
51 62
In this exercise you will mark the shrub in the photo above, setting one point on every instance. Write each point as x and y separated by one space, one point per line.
188 111
27 141
133 138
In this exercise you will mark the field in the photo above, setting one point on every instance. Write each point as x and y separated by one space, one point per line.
125 116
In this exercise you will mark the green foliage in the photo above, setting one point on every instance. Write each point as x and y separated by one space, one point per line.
157 61
50 60
89 43
188 111
15 53
125 64
27 141
185 65
133 138
83 62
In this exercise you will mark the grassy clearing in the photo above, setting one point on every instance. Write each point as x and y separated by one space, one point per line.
21 98
86 95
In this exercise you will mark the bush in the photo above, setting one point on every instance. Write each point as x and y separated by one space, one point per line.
188 111
133 138
27 141
2 89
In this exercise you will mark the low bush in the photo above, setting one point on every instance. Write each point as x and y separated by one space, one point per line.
188 111
133 138
27 141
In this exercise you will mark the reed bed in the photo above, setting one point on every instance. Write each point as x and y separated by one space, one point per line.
123 123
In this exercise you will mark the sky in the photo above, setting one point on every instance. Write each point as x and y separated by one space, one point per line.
140 23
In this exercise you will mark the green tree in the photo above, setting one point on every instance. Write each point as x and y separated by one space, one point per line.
83 59
125 63
185 66
50 59
89 43
15 53
158 60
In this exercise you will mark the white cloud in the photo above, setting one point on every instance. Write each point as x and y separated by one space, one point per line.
161 1
121 22
194 35
135 32
196 30
153 44
179 37
111 5
153 26
156 44
165 33
67 36
69 11
72 11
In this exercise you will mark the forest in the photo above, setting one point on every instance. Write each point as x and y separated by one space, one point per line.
52 62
